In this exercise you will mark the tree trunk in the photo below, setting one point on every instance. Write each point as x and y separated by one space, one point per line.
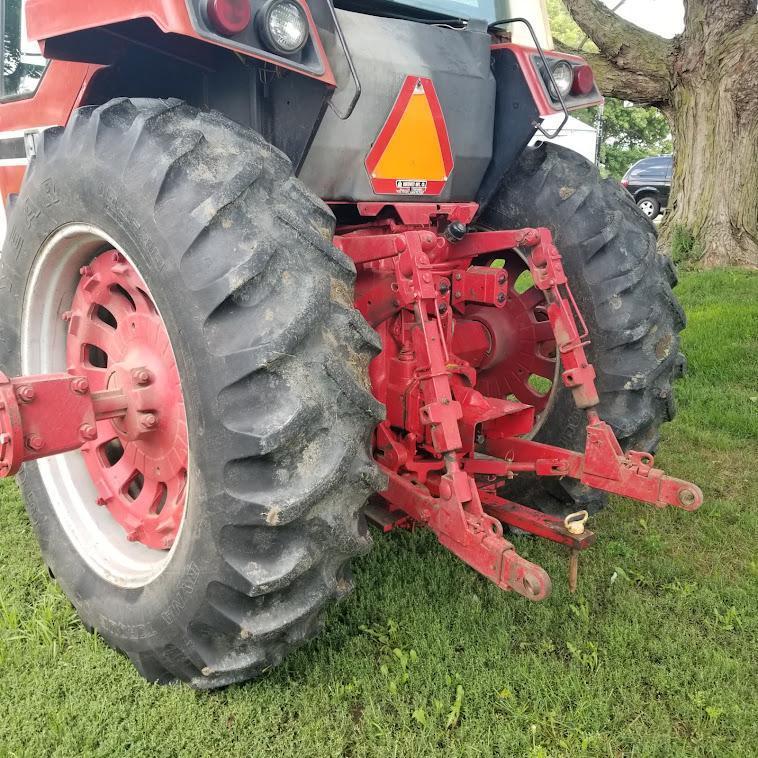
706 82
714 121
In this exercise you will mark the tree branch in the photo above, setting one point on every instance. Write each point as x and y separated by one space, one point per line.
623 43
613 81
706 17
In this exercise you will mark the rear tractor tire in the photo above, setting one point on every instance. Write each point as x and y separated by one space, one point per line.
623 287
222 249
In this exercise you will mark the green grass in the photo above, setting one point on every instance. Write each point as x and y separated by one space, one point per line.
655 655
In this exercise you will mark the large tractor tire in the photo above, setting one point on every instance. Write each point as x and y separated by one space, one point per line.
623 287
243 312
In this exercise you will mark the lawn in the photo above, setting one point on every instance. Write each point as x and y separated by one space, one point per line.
655 655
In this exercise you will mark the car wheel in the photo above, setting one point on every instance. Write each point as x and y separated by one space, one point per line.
649 206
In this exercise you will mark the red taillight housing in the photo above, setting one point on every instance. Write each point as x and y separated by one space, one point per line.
584 80
229 17
624 182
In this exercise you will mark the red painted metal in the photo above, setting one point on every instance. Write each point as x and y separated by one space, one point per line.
51 18
543 525
447 447
120 404
421 214
456 332
463 527
61 90
525 59
28 428
117 340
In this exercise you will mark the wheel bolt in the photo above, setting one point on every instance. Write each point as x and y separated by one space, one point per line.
88 432
148 421
141 376
80 385
25 393
67 316
134 535
501 279
118 258
501 297
34 442
85 271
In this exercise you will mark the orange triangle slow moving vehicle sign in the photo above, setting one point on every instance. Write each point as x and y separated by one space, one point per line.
412 154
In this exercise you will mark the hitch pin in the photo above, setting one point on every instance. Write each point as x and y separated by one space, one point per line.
574 524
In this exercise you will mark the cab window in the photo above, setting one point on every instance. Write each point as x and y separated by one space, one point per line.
22 61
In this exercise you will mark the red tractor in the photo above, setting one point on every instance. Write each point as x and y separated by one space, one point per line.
269 259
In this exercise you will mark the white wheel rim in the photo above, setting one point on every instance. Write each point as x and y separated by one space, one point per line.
647 207
95 534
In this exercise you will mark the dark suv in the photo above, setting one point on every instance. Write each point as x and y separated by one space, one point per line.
649 182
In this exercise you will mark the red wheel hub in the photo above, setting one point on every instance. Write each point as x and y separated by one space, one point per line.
138 461
522 359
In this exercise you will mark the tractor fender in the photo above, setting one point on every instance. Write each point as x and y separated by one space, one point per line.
48 19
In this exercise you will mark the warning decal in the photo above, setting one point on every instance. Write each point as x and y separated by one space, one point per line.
412 154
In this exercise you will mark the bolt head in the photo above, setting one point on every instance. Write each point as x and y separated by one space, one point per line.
88 432
141 376
134 535
148 421
85 271
80 385
501 297
34 442
25 393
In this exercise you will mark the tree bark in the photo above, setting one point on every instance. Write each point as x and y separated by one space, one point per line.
706 82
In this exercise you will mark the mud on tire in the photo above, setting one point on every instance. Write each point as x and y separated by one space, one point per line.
273 361
623 287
